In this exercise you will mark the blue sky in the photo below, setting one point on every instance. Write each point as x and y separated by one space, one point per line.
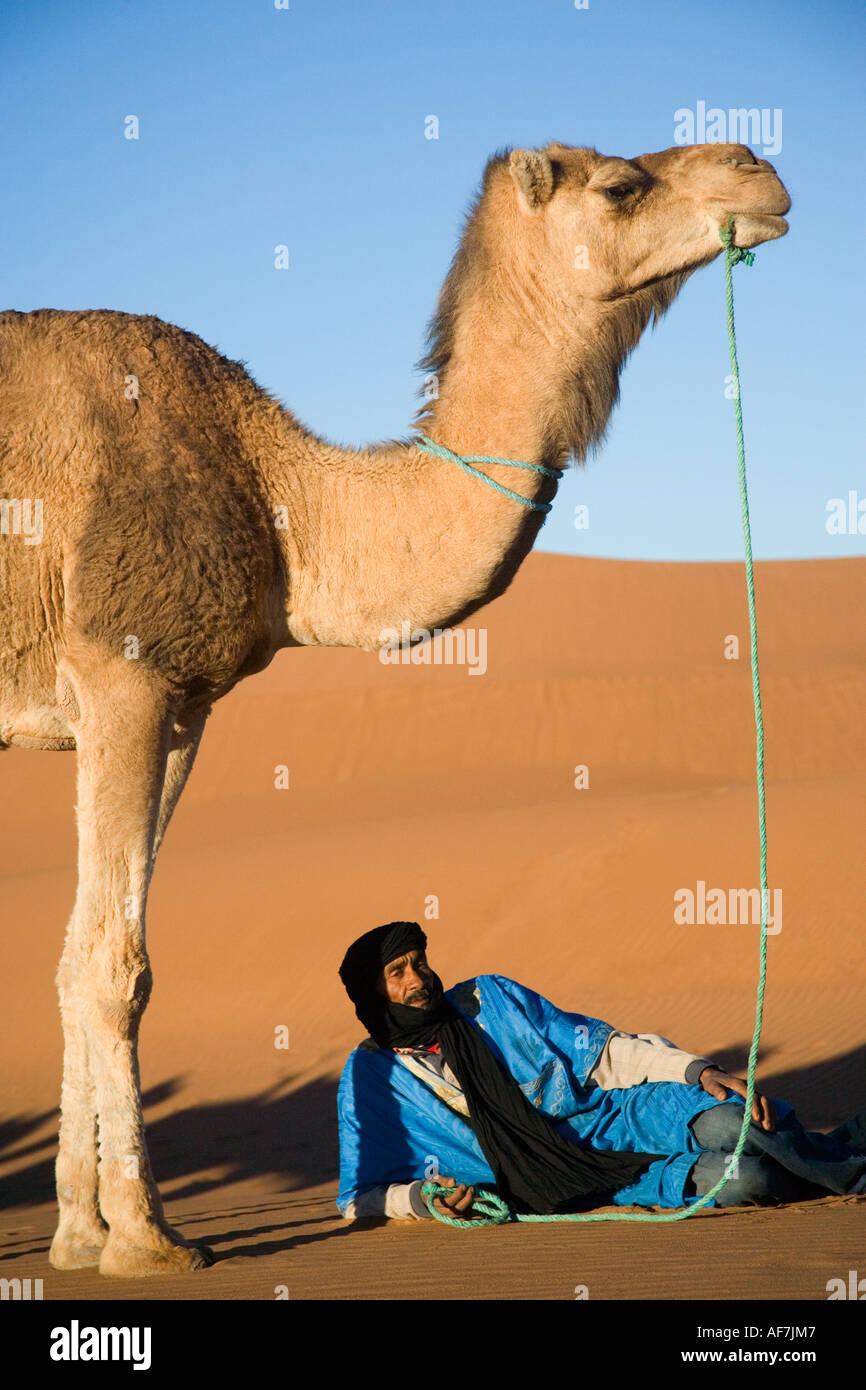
305 126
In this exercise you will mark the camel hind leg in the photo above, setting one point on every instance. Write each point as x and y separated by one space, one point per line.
181 756
123 728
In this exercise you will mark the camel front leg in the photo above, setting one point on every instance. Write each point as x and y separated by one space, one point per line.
81 1231
123 731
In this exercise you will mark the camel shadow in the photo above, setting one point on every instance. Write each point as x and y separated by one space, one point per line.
287 1134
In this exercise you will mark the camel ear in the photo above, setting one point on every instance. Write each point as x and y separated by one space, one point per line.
532 172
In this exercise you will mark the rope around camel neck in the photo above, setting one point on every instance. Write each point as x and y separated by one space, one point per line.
427 446
495 1210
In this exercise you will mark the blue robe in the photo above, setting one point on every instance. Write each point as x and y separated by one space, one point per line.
395 1129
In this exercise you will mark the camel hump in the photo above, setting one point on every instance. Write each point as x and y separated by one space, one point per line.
127 433
117 355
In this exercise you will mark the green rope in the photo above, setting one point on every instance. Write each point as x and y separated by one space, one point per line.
427 446
494 1208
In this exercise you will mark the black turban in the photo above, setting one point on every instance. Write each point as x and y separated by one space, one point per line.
536 1170
389 1024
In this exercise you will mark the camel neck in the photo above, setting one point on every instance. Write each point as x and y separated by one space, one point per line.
527 377
390 538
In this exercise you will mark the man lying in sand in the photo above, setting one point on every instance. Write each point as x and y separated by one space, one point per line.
490 1085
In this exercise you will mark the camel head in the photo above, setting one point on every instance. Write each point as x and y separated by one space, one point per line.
565 258
596 227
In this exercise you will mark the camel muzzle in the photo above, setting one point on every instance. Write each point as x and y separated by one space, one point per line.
753 228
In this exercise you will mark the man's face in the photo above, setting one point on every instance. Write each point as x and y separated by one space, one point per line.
408 980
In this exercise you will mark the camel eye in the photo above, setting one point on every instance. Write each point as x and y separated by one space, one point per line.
618 192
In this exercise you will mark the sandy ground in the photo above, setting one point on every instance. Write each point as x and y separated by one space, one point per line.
417 785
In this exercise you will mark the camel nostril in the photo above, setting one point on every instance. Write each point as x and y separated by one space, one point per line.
744 159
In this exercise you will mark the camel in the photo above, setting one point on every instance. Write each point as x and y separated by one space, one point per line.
190 527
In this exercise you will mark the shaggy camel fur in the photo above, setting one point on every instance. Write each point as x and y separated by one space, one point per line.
166 527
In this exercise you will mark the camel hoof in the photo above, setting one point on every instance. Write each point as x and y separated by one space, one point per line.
123 1259
74 1250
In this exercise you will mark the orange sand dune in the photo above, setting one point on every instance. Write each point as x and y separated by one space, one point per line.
414 784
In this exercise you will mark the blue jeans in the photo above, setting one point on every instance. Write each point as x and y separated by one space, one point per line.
785 1164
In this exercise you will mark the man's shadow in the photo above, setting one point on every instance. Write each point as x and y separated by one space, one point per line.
824 1094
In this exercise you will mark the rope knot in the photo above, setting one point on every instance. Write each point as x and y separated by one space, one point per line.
736 253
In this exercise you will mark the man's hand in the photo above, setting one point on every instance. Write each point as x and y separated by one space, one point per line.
458 1203
717 1083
